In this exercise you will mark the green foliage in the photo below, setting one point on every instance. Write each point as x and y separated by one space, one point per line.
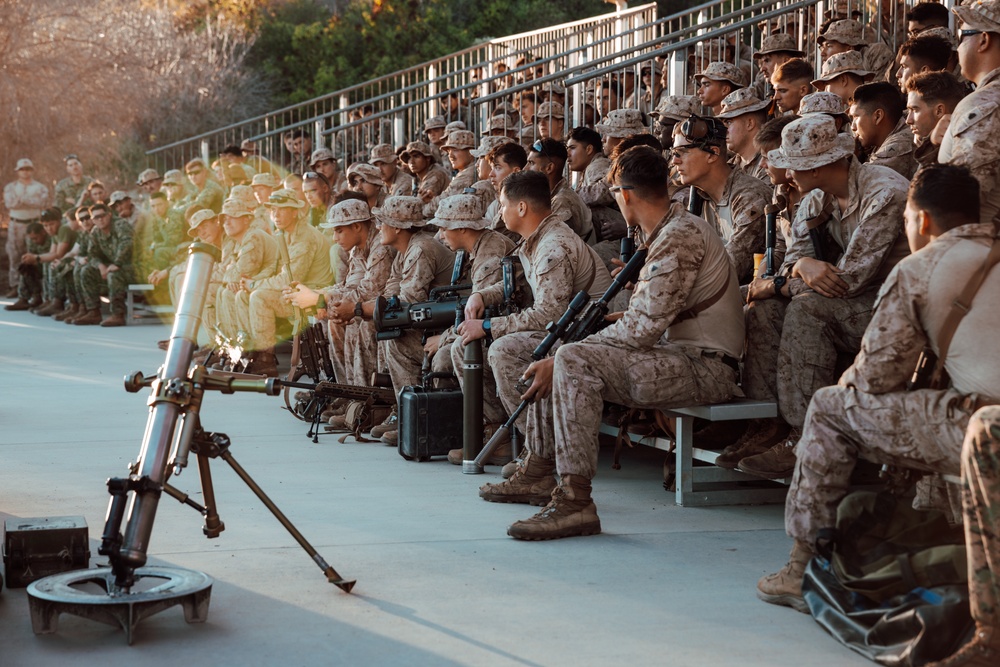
307 52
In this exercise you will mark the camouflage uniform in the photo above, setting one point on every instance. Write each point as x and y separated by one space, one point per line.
484 270
426 264
571 209
308 263
83 243
739 218
370 267
605 216
115 247
59 277
166 236
792 347
401 185
435 179
557 265
68 193
869 414
255 258
648 358
896 152
752 167
463 179
31 277
211 196
971 141
981 507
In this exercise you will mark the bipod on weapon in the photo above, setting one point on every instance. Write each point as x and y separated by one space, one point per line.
570 328
173 431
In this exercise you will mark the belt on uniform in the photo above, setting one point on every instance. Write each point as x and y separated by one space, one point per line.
732 362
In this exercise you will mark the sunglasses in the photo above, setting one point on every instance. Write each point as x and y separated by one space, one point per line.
962 34
618 188
100 216
83 218
280 199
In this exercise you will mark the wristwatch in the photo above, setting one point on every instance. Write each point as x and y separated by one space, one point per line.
779 282
359 311
487 329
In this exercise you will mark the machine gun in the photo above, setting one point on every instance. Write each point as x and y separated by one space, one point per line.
173 431
314 397
571 328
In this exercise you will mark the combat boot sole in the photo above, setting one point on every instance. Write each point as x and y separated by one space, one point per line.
796 602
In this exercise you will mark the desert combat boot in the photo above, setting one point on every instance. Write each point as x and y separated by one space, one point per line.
571 512
784 587
531 483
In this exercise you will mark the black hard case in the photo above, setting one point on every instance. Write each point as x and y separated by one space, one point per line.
430 422
36 548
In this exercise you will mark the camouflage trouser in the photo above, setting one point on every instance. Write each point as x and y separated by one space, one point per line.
30 281
981 506
78 279
115 286
922 430
17 246
337 333
60 281
588 374
814 331
404 356
360 352
506 361
764 320
266 305
232 311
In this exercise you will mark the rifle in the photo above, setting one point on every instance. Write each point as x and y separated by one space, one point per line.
771 235
571 328
310 404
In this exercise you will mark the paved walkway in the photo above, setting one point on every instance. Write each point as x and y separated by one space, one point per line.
439 581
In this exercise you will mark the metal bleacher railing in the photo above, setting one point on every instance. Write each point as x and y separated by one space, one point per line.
610 32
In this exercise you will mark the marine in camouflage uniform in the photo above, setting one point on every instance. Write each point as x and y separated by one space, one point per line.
307 262
897 151
792 346
369 266
31 286
971 138
738 217
68 193
869 414
251 255
425 263
112 246
678 343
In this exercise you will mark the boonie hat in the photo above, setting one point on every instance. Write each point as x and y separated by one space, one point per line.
621 123
147 176
779 43
848 62
811 142
369 173
118 196
677 107
823 102
382 153
266 179
418 147
321 154
346 213
486 144
742 101
979 15
198 218
173 177
846 31
235 208
435 122
284 198
547 110
720 71
400 212
460 139
460 212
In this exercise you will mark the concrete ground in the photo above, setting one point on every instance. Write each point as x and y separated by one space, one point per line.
439 581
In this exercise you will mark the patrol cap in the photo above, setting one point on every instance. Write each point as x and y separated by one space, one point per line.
486 144
321 155
400 212
621 123
369 173
284 198
235 208
677 107
742 101
779 43
198 218
382 153
265 179
823 102
549 110
727 72
147 176
173 177
24 163
846 31
118 196
346 213
848 62
460 140
419 147
460 212
979 15
811 142
435 123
